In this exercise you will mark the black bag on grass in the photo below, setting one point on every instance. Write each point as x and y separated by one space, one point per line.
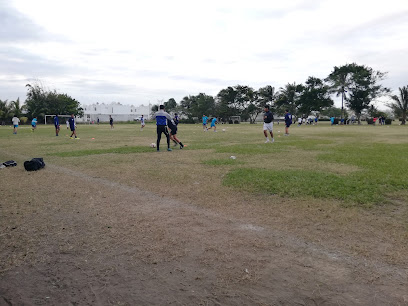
34 164
10 163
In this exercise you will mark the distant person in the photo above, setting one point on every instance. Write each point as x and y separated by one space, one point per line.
176 119
161 123
205 118
316 119
142 123
213 121
173 132
33 124
15 121
56 125
299 121
268 124
97 121
288 122
111 121
332 120
72 126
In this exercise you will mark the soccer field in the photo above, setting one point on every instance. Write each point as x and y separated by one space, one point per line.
316 212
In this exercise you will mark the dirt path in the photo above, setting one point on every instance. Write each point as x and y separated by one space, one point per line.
93 241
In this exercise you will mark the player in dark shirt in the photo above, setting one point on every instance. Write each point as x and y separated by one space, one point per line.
288 122
268 124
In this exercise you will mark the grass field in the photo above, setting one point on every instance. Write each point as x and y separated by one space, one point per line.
325 209
356 165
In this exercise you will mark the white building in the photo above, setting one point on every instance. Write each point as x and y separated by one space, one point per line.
118 112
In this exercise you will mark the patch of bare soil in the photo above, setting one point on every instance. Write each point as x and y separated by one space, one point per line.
70 238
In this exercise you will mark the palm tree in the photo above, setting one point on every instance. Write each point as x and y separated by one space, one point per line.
400 104
4 110
16 108
338 81
289 96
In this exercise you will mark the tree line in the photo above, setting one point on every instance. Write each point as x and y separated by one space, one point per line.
39 102
358 86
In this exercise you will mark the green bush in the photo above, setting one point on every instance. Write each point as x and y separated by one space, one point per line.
370 121
388 121
23 120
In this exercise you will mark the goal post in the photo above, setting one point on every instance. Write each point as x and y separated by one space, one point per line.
61 116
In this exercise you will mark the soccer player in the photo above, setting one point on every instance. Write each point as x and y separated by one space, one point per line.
72 126
288 122
205 118
33 124
111 121
213 121
56 124
173 131
142 122
268 124
161 122
15 121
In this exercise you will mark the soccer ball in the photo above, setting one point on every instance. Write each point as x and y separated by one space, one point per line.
152 145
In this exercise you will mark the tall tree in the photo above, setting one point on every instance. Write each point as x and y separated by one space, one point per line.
288 97
16 108
339 80
364 86
314 96
170 105
5 111
41 101
196 106
362 83
264 96
400 104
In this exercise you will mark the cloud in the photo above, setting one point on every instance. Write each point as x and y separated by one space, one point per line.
16 27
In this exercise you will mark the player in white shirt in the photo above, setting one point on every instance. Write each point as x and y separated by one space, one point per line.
15 121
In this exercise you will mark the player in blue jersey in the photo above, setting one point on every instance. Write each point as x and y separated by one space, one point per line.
161 123
72 126
288 122
205 118
33 124
57 125
213 121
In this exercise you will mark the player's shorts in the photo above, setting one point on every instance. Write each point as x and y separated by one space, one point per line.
204 123
268 126
16 125
173 131
287 124
72 128
212 125
56 126
33 125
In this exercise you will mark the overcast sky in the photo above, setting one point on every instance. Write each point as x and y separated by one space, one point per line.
139 51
